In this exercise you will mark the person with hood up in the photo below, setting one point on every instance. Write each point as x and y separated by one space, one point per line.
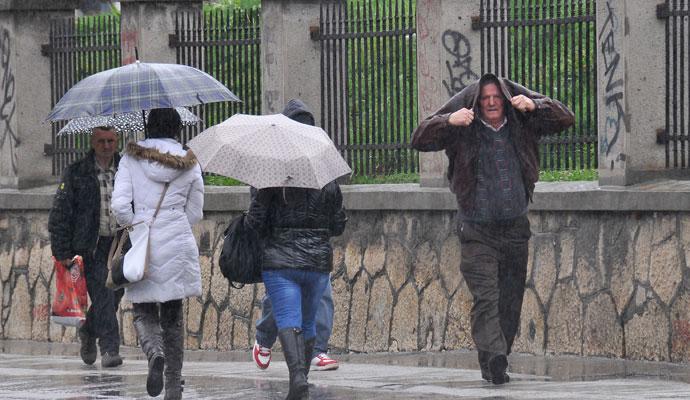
490 132
173 270
266 330
295 225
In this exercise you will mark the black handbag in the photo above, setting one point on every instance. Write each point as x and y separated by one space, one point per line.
241 257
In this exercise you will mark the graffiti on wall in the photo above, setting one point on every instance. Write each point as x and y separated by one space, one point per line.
460 73
8 137
614 89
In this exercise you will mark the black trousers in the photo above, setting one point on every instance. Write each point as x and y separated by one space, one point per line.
101 319
494 265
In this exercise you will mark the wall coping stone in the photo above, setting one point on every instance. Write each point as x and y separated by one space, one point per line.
161 1
38 5
660 195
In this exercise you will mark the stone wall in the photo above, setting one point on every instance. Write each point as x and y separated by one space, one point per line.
602 283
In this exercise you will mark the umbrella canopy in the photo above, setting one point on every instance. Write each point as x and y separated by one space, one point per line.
139 86
123 123
269 151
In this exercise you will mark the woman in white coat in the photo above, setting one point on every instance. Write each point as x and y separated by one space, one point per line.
173 270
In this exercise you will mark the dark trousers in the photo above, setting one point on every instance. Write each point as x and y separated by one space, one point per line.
494 265
101 319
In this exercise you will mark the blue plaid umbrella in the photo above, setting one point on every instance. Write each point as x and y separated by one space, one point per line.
137 87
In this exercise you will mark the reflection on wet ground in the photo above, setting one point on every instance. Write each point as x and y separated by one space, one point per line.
33 370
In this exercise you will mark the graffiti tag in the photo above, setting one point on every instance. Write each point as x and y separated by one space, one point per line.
615 112
460 73
7 104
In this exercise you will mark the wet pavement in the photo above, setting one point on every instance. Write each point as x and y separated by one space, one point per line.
33 370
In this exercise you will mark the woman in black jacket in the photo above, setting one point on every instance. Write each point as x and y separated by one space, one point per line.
296 225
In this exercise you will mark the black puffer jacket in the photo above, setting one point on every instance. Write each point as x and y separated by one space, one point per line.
297 223
75 216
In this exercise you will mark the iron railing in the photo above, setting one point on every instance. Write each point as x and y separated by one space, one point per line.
78 47
224 44
369 82
548 46
676 136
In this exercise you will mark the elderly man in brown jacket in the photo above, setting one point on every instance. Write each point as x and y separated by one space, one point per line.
490 132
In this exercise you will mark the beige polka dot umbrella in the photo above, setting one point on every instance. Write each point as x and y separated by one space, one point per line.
269 151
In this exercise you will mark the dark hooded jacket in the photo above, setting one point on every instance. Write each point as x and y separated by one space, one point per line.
75 216
296 223
462 143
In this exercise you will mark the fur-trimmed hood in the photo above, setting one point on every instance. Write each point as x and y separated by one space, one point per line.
164 159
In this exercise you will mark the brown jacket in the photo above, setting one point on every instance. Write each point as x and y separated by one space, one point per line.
462 143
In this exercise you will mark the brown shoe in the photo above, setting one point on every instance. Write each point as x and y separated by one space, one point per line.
110 360
88 351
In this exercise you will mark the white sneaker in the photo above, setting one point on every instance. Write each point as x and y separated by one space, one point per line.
261 356
323 363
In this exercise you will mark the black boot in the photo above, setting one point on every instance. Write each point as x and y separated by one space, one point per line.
308 351
173 344
484 364
292 341
498 366
149 333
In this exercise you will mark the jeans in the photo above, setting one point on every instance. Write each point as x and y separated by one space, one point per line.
101 319
267 331
295 295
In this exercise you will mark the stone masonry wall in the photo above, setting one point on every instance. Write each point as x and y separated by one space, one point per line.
599 283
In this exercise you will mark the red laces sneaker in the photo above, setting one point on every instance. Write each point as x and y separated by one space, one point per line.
323 363
262 356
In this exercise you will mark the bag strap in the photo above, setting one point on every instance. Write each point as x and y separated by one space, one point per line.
160 201
148 240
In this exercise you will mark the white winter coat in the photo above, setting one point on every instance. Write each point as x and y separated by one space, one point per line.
174 271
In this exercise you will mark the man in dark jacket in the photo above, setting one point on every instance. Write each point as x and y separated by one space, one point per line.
80 223
490 132
266 329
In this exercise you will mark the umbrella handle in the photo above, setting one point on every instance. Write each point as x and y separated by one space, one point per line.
143 118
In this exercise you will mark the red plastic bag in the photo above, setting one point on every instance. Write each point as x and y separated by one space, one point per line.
70 301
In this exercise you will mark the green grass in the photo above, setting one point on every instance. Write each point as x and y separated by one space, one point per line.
574 175
217 180
544 176
393 178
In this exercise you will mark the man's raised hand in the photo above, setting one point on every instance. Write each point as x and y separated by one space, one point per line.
523 103
462 117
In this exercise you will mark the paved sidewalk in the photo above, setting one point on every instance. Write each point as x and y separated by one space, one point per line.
32 370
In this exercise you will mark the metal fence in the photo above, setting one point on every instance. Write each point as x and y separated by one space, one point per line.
676 136
224 44
78 47
369 82
548 46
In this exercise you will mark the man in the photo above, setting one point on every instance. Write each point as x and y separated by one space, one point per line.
266 329
490 132
80 223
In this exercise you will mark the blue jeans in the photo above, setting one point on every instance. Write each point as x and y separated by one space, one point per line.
287 287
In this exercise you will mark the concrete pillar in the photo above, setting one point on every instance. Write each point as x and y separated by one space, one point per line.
146 26
448 59
290 60
25 88
631 91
